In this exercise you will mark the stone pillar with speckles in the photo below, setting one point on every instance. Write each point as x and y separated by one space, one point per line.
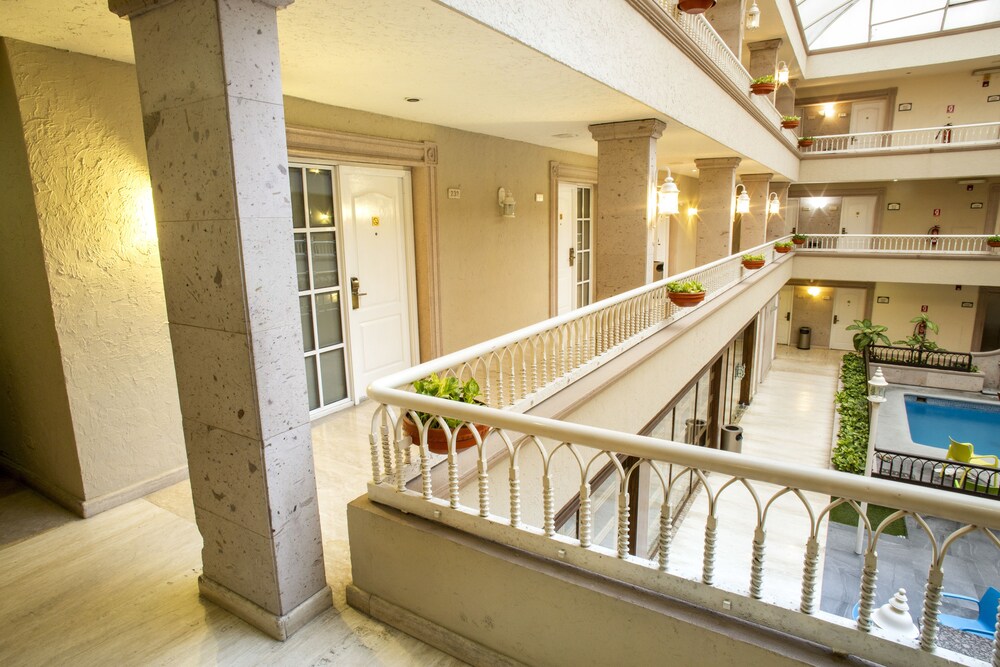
210 89
626 211
716 207
764 59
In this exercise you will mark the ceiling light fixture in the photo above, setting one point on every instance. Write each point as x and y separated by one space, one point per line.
753 16
411 99
667 196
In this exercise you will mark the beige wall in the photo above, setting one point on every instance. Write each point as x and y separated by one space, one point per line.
86 155
683 229
917 200
944 307
815 312
36 431
494 271
929 95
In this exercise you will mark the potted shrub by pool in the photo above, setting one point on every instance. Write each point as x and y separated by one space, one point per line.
449 388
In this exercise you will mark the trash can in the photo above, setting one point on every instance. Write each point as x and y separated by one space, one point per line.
695 431
732 439
805 338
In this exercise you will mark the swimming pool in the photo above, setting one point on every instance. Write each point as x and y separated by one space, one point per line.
933 420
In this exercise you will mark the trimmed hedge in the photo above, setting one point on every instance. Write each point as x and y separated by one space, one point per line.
852 405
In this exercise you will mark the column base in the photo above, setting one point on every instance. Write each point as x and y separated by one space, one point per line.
279 627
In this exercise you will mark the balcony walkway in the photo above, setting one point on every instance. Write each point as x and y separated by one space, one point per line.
790 420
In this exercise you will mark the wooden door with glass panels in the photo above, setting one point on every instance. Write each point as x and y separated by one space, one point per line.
321 296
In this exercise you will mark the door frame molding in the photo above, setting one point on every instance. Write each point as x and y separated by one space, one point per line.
566 173
306 143
801 192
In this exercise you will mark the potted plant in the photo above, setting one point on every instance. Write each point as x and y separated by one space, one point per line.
451 389
753 262
695 6
799 239
806 142
790 122
783 246
763 85
868 334
686 294
993 241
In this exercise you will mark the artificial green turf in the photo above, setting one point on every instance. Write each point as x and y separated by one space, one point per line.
876 515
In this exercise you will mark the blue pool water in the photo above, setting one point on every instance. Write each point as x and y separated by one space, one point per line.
933 420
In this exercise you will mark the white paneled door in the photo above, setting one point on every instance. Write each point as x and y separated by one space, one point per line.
848 305
574 252
354 265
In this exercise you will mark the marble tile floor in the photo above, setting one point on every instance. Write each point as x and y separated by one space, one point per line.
121 588
789 420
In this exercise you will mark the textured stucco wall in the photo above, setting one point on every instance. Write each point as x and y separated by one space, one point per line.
494 271
85 149
944 307
36 433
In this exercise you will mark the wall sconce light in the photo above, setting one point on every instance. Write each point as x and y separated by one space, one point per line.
813 291
753 16
505 198
742 199
692 212
781 76
773 204
667 196
827 110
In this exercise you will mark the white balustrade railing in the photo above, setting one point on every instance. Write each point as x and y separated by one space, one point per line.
517 368
966 136
963 244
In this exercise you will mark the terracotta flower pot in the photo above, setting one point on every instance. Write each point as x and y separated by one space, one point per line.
686 299
753 264
695 6
798 241
993 244
762 88
437 442
789 124
782 249
805 143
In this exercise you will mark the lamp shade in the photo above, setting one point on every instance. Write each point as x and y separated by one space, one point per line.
781 76
753 16
667 197
894 617
742 200
773 204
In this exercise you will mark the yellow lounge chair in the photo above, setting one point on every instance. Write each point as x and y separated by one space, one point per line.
963 452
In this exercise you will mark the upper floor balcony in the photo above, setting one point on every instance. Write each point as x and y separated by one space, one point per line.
550 467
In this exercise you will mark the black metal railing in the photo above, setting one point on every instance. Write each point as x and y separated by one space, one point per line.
937 473
908 356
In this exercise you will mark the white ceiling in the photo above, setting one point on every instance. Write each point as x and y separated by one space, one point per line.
371 55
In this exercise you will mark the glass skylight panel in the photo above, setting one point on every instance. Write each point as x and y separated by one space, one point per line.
835 23
971 14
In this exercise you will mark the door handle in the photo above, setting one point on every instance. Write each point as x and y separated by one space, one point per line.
572 256
835 319
356 293
843 230
788 316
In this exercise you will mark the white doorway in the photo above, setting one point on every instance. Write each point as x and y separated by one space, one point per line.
574 243
857 215
378 244
848 305
353 234
868 116
783 329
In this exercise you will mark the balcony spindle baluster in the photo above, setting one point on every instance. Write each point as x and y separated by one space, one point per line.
932 605
757 563
708 563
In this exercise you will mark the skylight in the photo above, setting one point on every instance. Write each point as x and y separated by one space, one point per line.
830 24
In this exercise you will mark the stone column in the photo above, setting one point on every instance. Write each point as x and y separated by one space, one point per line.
728 17
753 225
764 59
716 206
776 223
626 172
210 90
784 100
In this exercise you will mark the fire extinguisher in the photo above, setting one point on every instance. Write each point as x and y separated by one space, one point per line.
934 231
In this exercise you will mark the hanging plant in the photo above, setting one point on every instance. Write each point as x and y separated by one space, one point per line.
695 6
763 85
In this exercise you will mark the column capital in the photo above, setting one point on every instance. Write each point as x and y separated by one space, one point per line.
756 178
764 45
648 128
130 8
717 162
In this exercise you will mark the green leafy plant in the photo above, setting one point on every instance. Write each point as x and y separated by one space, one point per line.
686 287
803 140
783 244
767 78
918 339
993 239
753 258
851 450
791 118
449 388
799 237
868 334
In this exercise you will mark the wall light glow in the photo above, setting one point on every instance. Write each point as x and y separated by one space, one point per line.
145 218
813 291
817 202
